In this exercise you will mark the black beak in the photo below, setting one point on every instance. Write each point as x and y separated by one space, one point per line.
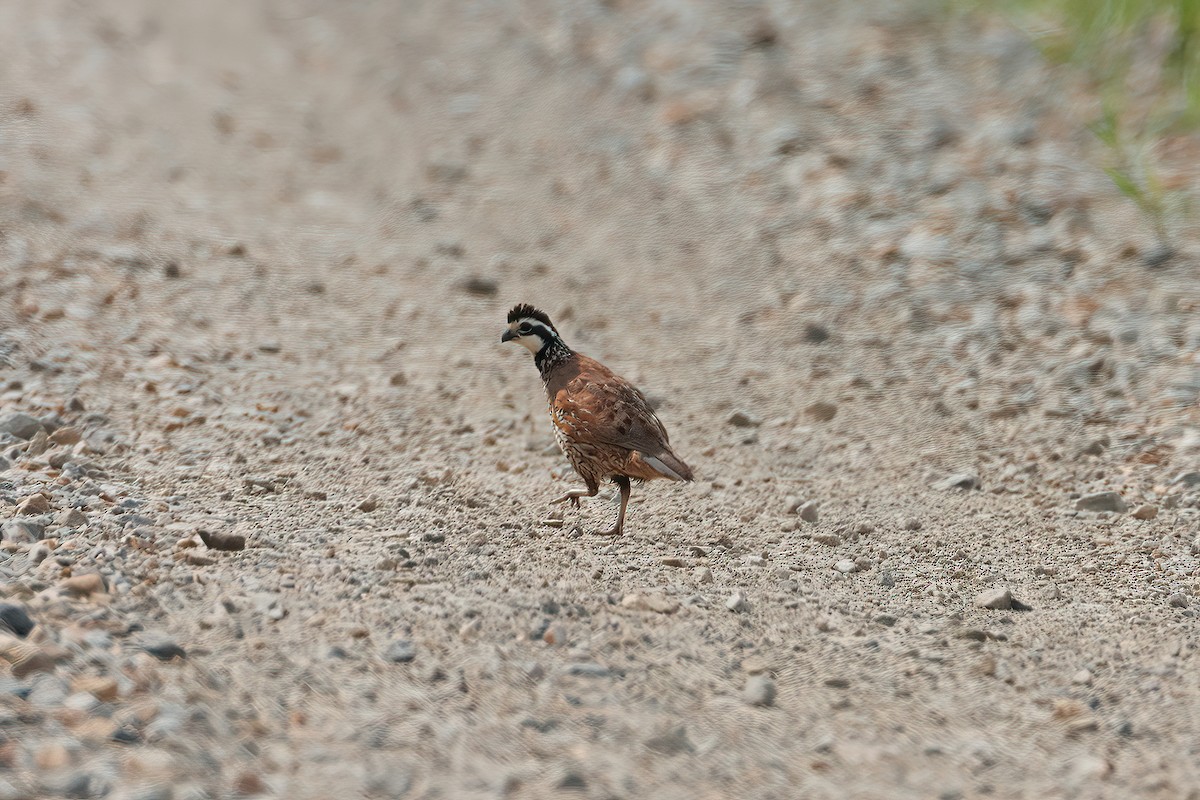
508 336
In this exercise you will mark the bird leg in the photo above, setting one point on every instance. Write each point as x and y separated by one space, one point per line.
574 495
623 483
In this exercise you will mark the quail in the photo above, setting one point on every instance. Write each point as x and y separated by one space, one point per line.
602 422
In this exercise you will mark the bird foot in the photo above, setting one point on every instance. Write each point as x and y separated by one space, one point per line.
613 531
572 497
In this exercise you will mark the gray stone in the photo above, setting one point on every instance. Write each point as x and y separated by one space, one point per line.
48 691
997 600
15 618
20 425
759 691
808 511
960 480
71 518
737 603
161 646
1101 501
822 411
401 651
672 742
24 529
740 419
589 669
1188 479
390 781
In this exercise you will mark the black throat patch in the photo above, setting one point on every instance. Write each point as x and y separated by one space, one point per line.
553 353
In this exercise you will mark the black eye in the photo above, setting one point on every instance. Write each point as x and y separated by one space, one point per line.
524 328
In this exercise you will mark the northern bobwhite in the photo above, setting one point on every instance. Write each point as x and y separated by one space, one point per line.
602 422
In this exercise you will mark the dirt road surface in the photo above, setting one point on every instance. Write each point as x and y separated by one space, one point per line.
254 265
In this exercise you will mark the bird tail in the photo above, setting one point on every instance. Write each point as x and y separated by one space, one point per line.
669 466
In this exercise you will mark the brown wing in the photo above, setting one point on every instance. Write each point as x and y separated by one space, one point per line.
610 410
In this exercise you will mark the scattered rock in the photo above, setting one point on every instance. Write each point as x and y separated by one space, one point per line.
737 603
66 436
808 511
650 602
84 585
15 618
103 688
1085 769
33 505
960 480
401 651
20 425
1101 501
702 575
845 566
1145 511
913 524
815 333
589 669
1188 479
759 691
995 599
161 646
1178 600
222 540
23 530
822 411
480 287
71 518
1082 678
831 539
24 658
369 504
671 743
740 419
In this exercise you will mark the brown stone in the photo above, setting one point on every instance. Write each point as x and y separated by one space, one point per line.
83 585
102 687
34 504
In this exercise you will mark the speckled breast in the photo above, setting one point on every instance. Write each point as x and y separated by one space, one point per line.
581 456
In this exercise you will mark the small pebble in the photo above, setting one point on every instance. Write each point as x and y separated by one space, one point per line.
995 599
759 691
1145 511
401 651
737 603
161 647
822 411
962 480
33 505
740 419
83 585
14 617
1101 501
222 540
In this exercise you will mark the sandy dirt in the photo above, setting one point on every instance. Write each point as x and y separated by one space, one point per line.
255 260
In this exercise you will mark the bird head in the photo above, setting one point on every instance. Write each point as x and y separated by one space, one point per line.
529 327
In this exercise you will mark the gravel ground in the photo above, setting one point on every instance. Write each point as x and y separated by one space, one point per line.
274 498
